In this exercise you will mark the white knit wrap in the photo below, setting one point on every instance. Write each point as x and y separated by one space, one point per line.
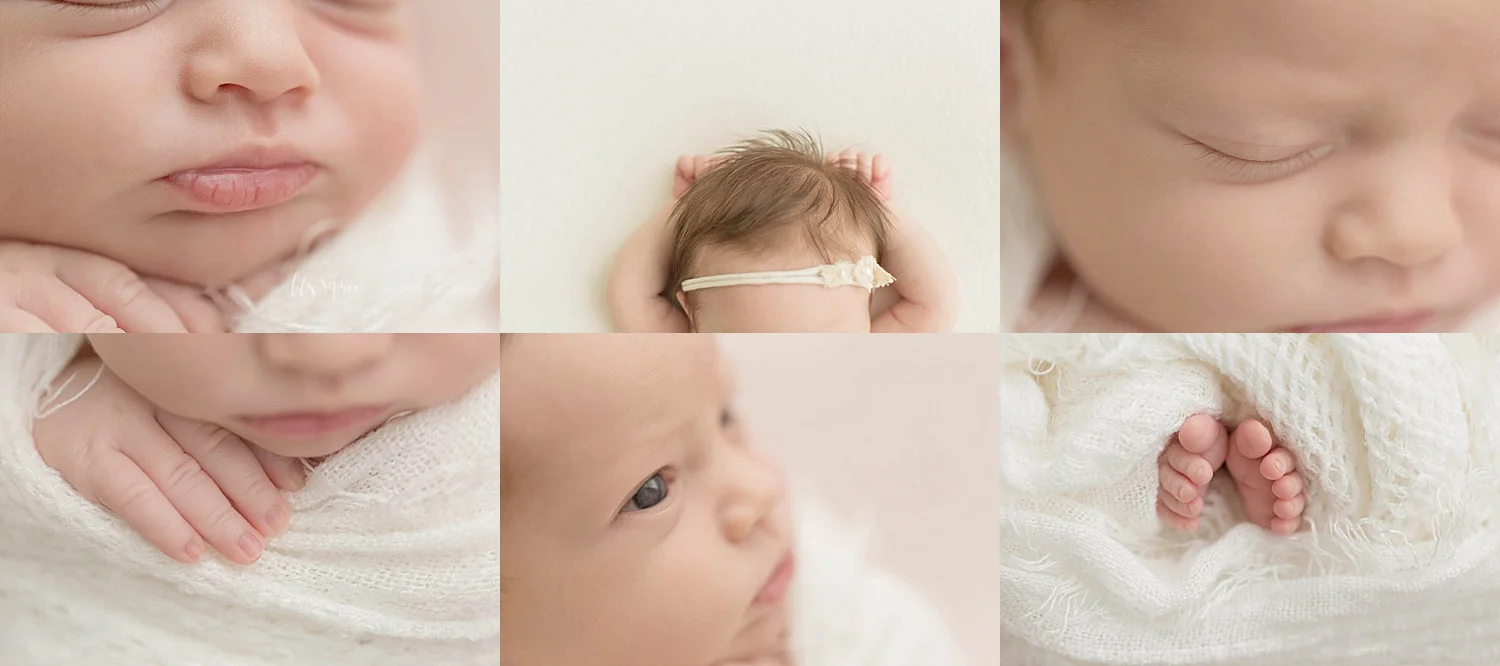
846 611
1396 436
392 556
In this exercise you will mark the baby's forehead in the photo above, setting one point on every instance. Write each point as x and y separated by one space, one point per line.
785 307
569 400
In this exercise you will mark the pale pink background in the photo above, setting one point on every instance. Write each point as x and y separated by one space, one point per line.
904 428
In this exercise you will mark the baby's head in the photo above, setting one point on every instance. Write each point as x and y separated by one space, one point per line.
1260 165
775 204
199 140
299 395
640 525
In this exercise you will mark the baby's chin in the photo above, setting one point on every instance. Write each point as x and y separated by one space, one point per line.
302 445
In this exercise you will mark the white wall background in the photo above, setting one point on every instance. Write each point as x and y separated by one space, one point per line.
599 97
904 429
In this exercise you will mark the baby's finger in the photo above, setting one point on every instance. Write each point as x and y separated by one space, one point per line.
21 321
189 488
703 164
849 159
239 475
65 310
682 176
286 473
197 313
120 485
119 292
880 169
866 167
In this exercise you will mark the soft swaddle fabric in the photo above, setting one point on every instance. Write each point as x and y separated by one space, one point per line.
392 557
848 612
402 267
1396 436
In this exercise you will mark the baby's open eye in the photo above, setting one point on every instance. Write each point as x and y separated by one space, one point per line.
649 494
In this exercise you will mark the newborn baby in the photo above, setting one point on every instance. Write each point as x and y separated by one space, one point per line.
641 524
1253 166
1265 475
774 236
188 438
198 143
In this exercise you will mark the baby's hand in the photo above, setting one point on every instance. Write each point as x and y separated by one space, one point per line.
179 483
689 168
872 168
45 289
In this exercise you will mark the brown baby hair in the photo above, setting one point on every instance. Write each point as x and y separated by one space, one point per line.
764 187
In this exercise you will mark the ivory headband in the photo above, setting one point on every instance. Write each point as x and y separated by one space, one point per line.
863 273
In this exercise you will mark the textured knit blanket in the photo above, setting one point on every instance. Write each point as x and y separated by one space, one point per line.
1396 436
392 557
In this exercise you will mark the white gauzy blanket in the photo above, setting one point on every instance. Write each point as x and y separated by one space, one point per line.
1396 436
848 612
392 557
424 258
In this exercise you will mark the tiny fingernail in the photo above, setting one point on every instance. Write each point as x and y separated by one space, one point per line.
250 544
194 549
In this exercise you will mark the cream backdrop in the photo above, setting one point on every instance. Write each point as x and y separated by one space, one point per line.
902 432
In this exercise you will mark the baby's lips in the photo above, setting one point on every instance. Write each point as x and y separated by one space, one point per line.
237 190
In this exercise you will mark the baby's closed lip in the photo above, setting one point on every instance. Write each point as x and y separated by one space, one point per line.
1403 322
779 581
293 424
249 178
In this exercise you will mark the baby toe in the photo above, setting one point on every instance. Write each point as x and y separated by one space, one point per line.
1288 486
1197 432
1289 508
1277 464
1189 464
1177 485
1252 439
1183 523
1189 509
1285 526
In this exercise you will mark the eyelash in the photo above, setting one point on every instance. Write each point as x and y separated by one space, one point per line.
1239 168
669 483
131 5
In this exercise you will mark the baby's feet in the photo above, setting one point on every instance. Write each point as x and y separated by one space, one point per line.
873 168
1186 467
1266 476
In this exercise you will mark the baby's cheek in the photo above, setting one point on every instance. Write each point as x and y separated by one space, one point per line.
376 90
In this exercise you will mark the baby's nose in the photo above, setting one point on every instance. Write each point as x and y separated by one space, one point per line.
325 354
